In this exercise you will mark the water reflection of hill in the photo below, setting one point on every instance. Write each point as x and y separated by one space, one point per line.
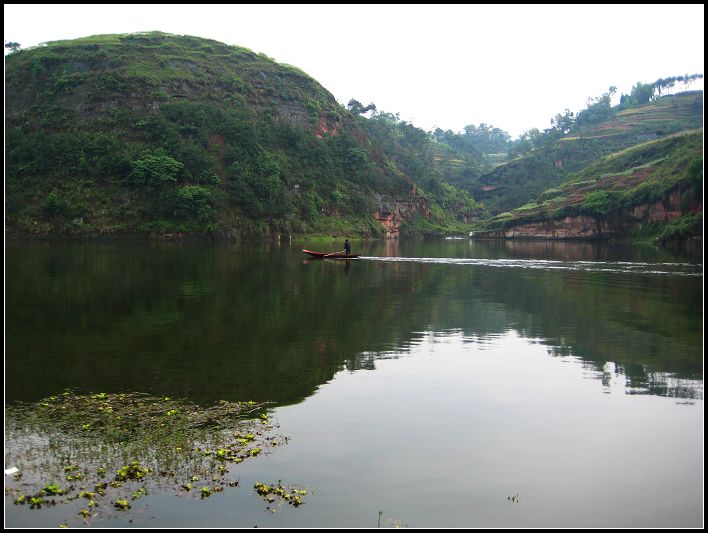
258 322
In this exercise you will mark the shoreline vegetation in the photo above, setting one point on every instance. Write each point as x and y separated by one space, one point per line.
97 453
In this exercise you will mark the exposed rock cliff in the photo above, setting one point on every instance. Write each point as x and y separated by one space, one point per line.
612 225
391 215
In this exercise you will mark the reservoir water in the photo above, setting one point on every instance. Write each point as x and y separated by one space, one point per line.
438 383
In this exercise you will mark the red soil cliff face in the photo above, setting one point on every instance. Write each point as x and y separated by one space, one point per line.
608 226
391 217
328 125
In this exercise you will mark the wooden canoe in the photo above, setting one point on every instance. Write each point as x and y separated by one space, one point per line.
335 255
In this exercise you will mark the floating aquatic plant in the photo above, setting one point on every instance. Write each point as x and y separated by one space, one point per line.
118 447
121 505
142 491
280 493
132 471
52 490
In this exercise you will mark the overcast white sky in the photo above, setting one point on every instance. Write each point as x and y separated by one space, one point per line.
439 66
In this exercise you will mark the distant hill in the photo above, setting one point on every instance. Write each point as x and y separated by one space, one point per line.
164 134
515 183
652 189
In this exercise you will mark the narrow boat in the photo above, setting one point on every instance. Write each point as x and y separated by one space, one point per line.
335 255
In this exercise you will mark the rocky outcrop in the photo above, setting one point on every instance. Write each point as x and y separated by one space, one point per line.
663 211
582 227
392 214
613 225
329 125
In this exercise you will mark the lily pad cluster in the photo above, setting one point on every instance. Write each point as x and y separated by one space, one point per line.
104 450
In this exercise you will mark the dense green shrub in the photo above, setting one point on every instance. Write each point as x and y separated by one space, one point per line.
155 169
596 203
193 200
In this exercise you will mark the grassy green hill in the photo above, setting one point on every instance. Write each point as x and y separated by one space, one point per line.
652 189
514 184
158 133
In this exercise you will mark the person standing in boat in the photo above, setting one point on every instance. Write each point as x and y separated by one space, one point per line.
347 247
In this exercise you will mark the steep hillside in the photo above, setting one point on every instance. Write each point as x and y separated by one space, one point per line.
654 188
157 133
515 183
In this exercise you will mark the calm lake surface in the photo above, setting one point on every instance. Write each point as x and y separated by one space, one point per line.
432 381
